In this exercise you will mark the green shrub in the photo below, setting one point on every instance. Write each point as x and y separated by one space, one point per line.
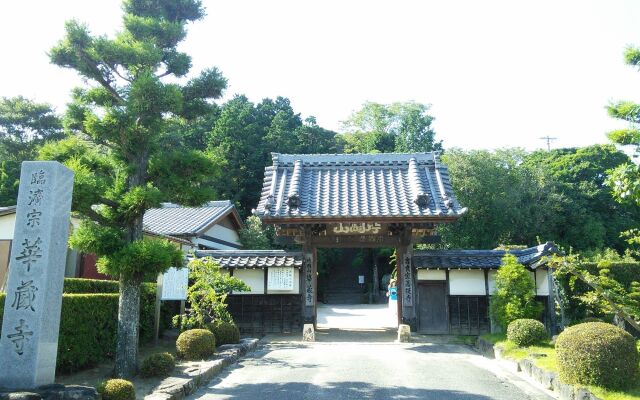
81 285
89 322
525 332
117 389
147 302
196 344
514 297
88 330
595 353
158 364
225 332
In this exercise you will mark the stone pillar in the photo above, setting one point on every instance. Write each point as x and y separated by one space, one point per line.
408 287
31 322
309 270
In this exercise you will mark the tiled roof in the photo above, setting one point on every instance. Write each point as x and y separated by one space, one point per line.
479 258
253 258
357 186
176 220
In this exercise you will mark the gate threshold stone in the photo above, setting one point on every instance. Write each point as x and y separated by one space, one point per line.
198 373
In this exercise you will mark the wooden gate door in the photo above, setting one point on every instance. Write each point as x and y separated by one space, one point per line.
432 312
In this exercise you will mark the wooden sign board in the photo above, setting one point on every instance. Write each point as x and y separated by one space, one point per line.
175 283
280 278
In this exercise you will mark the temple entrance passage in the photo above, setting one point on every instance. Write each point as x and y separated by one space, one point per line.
432 314
356 316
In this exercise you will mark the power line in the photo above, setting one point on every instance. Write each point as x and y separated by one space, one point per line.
548 139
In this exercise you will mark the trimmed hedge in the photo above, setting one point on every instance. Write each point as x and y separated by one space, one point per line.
117 389
158 364
88 330
147 302
225 332
525 332
196 344
596 353
81 285
89 322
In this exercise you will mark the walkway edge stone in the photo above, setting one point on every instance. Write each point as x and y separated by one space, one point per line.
176 388
549 380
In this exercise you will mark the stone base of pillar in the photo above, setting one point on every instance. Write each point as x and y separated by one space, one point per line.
404 333
308 333
412 322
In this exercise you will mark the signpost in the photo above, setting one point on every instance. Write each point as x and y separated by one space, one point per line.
31 321
172 285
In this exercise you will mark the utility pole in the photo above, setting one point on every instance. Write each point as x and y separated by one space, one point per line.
548 139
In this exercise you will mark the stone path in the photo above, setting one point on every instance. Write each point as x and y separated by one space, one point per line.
347 368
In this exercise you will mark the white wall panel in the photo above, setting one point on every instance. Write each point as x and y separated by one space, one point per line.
542 282
252 277
432 275
224 233
466 282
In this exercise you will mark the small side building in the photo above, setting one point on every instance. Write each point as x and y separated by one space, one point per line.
454 287
274 303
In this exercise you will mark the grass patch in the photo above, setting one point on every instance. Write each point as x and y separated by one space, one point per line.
604 394
494 337
543 355
463 339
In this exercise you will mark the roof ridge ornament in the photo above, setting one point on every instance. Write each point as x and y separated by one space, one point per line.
293 199
420 197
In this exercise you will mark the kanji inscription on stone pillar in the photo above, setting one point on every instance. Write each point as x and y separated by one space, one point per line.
31 321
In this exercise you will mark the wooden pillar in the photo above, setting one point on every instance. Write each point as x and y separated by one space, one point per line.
309 290
406 293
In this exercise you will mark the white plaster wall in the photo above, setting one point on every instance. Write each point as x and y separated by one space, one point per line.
7 224
432 275
542 285
542 282
252 277
223 233
466 282
210 244
296 285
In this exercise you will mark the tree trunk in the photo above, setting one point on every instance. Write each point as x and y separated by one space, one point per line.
129 304
128 317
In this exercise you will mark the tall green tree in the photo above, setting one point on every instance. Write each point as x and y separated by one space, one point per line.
120 120
625 179
24 125
508 204
385 128
590 216
245 134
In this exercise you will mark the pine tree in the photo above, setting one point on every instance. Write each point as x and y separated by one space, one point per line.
121 166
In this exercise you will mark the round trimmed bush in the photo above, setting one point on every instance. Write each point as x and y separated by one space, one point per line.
196 344
596 353
225 332
158 364
525 332
117 389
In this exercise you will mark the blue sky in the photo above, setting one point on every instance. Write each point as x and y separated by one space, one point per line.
497 73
